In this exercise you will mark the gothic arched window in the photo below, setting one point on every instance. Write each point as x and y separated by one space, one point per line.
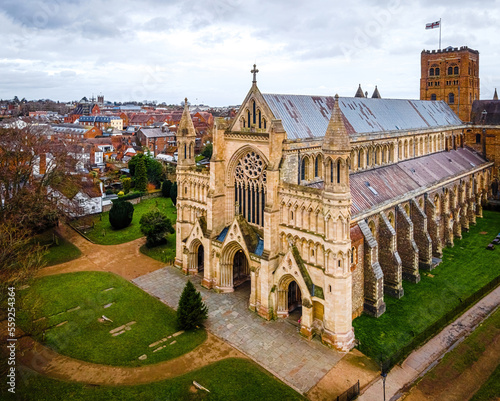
338 172
437 71
303 169
433 96
450 70
455 70
451 98
316 167
250 187
185 151
431 72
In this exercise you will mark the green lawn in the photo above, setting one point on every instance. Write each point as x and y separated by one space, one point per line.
84 337
104 234
464 356
59 250
164 253
229 379
466 268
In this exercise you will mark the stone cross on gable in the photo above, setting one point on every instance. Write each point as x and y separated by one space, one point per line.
254 72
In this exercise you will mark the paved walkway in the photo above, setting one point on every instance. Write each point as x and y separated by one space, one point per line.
277 345
421 360
123 259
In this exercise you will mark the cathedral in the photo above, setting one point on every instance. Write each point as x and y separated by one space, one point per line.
324 205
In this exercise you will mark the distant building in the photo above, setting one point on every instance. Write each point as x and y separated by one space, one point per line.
156 139
102 122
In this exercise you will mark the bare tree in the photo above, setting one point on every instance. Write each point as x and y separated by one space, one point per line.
33 164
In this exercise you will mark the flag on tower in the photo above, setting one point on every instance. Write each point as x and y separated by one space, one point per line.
432 25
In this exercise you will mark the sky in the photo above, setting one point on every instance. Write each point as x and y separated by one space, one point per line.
166 50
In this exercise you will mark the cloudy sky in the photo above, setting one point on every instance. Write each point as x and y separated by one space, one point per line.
165 50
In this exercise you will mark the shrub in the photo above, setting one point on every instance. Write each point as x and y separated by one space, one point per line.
132 195
120 215
155 226
126 182
191 311
207 151
165 188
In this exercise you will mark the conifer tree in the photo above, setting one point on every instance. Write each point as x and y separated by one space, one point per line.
141 176
191 311
173 193
165 188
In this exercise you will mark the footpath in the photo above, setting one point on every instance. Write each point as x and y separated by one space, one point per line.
401 377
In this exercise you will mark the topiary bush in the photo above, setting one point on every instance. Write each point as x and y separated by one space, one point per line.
121 214
191 311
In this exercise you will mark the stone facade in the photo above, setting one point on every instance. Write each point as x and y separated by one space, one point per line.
317 213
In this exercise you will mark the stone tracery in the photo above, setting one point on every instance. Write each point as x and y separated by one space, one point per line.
250 187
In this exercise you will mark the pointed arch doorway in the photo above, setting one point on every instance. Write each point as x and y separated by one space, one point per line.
196 258
290 299
234 268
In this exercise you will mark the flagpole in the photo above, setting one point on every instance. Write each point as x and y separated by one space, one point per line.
439 33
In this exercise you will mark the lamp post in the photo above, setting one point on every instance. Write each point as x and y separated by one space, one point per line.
384 375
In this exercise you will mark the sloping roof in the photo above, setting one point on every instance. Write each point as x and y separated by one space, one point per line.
373 187
155 132
492 108
305 116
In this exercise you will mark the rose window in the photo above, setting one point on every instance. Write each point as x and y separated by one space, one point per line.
250 187
252 165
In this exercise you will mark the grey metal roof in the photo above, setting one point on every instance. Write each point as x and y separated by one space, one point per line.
395 180
156 132
305 116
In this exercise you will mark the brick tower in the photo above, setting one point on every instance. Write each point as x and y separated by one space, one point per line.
452 75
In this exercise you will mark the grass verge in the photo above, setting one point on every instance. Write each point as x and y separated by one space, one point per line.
84 337
102 232
229 379
490 390
164 253
460 359
466 268
59 250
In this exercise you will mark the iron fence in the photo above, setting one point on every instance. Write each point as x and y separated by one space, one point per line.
350 394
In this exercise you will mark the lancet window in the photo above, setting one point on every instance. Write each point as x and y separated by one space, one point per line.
250 187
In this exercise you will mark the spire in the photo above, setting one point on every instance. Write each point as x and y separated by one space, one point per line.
376 94
359 92
495 96
336 136
186 127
